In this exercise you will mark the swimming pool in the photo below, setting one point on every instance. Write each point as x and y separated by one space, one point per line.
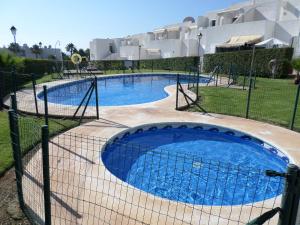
196 164
117 90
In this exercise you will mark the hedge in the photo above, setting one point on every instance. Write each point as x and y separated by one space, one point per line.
42 66
176 64
38 67
241 61
109 64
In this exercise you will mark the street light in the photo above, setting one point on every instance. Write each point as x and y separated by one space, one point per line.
57 42
14 32
140 57
199 45
57 51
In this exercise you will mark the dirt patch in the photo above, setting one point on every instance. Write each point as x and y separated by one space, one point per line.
10 213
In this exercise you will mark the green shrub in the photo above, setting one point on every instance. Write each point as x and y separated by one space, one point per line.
109 64
42 66
176 64
7 61
241 60
296 64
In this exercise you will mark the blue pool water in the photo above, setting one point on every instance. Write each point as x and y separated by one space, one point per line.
197 166
116 91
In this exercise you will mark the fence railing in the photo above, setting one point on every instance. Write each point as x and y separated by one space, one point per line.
74 178
32 98
268 100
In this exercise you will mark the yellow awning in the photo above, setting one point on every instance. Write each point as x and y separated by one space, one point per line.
237 41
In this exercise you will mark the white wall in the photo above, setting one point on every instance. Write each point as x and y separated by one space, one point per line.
129 52
99 48
220 34
169 48
268 18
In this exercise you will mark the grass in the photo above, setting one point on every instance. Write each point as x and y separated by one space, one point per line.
30 133
271 101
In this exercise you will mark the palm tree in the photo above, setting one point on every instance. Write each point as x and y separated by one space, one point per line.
35 49
71 48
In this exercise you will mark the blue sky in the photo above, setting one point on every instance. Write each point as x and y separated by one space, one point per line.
80 21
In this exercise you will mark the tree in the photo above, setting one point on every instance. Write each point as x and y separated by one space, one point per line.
14 47
296 66
65 56
87 53
81 52
35 49
71 48
52 57
8 60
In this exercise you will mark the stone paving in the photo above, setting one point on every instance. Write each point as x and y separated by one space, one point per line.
85 192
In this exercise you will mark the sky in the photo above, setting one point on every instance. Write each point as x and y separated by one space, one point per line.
80 21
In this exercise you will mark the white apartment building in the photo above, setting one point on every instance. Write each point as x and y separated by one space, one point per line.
256 19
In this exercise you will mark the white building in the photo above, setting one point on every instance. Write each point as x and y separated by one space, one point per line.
257 19
46 52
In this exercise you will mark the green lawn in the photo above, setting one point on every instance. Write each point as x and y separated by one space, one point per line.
271 101
30 131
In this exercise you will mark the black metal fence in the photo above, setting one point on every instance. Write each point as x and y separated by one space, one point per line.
268 100
76 179
32 98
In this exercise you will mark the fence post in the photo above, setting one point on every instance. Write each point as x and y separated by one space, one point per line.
34 93
46 105
177 86
295 107
152 65
46 174
249 98
290 196
13 102
217 79
14 80
96 95
197 91
15 140
1 90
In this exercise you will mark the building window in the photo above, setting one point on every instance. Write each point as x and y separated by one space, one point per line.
213 23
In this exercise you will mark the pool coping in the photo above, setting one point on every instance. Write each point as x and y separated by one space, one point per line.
26 102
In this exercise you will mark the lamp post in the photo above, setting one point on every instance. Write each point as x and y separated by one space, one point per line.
56 43
14 32
56 50
140 57
199 45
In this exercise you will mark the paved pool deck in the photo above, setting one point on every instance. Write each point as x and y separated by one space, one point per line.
78 172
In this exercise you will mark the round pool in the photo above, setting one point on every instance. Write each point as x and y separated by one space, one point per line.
196 164
117 90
